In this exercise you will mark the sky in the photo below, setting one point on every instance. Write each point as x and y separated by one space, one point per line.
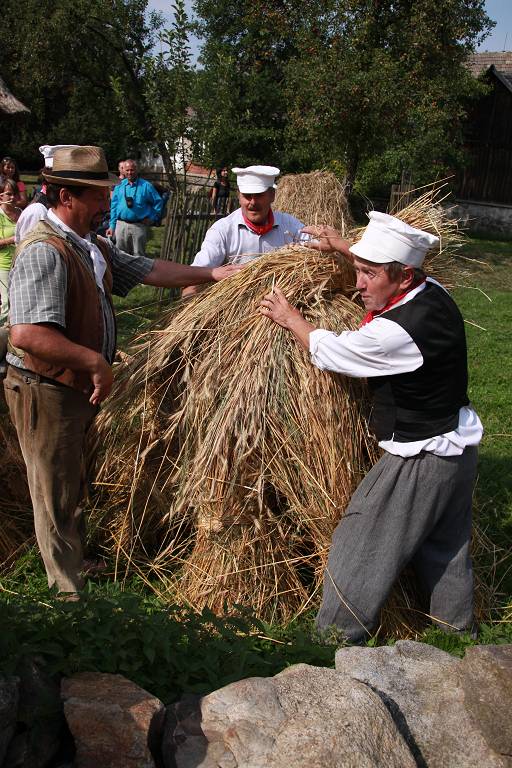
499 11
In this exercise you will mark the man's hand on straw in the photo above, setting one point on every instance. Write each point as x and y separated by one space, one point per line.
326 239
275 306
228 270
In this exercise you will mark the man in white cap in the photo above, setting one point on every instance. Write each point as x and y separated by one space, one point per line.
414 506
252 229
62 342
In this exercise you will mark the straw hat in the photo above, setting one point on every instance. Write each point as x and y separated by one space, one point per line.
387 239
48 151
83 166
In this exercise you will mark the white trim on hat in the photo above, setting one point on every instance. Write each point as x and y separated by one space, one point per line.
255 178
387 239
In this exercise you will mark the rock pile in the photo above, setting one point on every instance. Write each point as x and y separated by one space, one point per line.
405 706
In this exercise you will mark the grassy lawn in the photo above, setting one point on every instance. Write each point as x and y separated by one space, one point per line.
487 310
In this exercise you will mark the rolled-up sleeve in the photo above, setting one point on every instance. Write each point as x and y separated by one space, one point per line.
38 286
127 270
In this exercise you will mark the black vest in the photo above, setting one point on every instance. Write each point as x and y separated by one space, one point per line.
424 403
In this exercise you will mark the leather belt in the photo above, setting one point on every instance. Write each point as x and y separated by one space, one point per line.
28 376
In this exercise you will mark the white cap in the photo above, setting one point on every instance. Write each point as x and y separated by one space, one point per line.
48 151
387 239
255 178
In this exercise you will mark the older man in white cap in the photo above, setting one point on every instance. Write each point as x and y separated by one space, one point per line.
252 229
62 344
414 506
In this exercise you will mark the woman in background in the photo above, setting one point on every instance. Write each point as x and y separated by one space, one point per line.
9 214
220 192
10 170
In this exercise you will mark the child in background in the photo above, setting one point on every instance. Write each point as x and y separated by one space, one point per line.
9 214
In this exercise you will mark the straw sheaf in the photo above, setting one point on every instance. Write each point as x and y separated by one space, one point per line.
315 198
242 456
16 526
228 459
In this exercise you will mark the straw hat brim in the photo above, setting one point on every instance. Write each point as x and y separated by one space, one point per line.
111 181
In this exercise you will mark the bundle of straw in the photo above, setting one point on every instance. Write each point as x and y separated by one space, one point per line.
315 198
16 526
227 452
227 458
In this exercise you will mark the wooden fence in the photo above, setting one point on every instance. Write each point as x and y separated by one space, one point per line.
189 216
401 194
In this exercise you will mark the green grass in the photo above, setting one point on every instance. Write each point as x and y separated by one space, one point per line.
487 310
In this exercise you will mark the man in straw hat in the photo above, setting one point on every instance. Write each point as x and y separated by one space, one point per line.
252 229
63 342
414 506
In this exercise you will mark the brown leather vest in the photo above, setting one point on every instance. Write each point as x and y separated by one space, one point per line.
84 317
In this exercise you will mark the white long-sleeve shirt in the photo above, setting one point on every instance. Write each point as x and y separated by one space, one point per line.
230 238
383 348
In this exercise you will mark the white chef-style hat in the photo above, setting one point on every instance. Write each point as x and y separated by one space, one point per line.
48 151
255 178
387 239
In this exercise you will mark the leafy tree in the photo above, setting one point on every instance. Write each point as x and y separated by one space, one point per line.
240 91
169 79
382 84
68 61
376 84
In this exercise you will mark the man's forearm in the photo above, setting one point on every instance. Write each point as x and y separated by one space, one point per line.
51 345
170 274
301 329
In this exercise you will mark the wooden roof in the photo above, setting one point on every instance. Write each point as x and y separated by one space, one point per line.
9 104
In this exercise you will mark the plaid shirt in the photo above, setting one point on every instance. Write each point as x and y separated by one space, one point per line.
38 288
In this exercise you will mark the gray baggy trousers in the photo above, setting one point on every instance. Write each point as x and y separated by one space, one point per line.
52 422
131 237
406 511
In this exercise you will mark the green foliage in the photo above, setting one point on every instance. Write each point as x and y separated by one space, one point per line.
70 63
168 82
167 650
383 86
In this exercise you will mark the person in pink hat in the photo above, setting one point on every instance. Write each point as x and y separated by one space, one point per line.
414 506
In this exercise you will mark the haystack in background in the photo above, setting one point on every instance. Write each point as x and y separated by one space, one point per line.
315 198
227 458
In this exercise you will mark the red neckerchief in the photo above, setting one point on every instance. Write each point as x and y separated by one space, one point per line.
260 229
394 300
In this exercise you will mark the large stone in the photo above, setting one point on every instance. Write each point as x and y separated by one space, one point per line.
305 717
40 717
487 684
9 697
421 686
114 722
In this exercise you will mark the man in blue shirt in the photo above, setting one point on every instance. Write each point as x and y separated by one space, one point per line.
135 205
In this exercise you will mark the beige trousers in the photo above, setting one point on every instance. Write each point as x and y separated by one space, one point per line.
52 422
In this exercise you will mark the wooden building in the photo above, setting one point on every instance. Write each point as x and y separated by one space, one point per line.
484 193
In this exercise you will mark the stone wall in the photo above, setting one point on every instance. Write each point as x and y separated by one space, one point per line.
484 218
